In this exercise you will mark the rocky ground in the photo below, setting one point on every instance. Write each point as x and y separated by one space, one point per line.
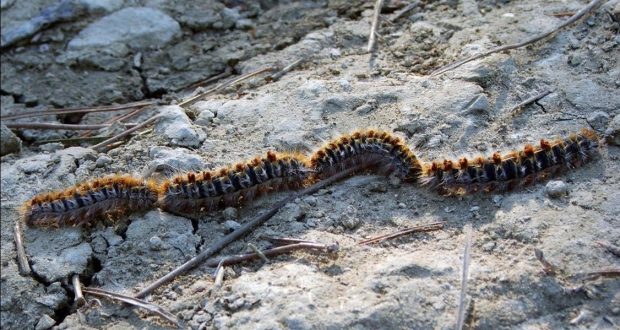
89 53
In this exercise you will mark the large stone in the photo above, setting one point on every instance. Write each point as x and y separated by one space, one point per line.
138 27
177 128
9 142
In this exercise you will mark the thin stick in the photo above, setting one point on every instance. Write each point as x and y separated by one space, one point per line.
133 301
209 80
464 277
55 126
416 229
118 118
258 252
227 261
219 275
22 258
77 289
284 241
403 11
222 86
78 110
529 100
541 36
127 132
242 231
286 69
548 268
375 23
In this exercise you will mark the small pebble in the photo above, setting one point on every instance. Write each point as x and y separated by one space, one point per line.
556 189
232 225
377 187
488 247
51 147
45 322
394 181
103 161
349 218
155 243
230 213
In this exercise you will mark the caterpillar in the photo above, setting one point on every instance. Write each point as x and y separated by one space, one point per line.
379 149
112 195
229 186
514 169
210 190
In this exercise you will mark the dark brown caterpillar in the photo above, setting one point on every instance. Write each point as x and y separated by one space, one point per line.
210 190
113 195
515 169
386 152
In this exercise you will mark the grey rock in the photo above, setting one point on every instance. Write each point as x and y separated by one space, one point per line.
229 17
156 244
292 212
349 218
177 128
556 189
435 141
230 213
379 187
54 267
245 24
613 131
137 27
103 161
101 6
288 134
45 322
479 106
586 94
232 225
204 118
51 147
9 142
598 120
178 159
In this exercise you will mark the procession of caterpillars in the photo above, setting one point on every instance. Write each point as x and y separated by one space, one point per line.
379 151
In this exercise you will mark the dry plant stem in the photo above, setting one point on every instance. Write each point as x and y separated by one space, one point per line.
133 301
548 268
227 261
77 289
22 259
529 101
284 241
610 272
209 80
69 127
258 252
118 118
219 275
127 132
222 86
78 110
416 229
286 69
375 24
242 231
460 319
403 11
539 37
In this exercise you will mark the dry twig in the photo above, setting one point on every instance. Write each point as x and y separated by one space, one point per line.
403 11
375 24
539 37
416 229
219 275
548 268
227 261
22 259
460 319
127 132
242 231
532 99
69 127
223 85
77 290
118 118
258 252
67 111
286 69
133 301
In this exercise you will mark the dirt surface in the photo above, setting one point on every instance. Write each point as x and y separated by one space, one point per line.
410 282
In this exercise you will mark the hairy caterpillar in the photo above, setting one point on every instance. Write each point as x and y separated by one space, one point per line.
118 195
514 169
209 190
381 149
